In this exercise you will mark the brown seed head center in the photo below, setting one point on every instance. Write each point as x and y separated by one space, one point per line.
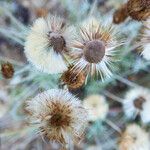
57 42
94 51
138 102
59 120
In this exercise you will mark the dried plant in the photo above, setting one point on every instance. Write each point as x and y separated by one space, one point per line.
75 81
58 115
93 50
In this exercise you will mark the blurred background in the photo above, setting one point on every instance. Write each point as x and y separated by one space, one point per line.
16 16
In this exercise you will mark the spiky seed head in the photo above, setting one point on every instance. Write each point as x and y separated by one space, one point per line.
58 115
120 14
73 78
7 70
94 51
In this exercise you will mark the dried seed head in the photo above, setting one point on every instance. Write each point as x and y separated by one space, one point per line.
120 15
47 44
138 9
56 41
7 70
59 115
94 51
93 48
74 79
138 102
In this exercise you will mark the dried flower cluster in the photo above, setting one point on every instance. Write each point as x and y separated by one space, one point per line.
53 48
76 53
137 9
58 115
134 138
90 48
7 70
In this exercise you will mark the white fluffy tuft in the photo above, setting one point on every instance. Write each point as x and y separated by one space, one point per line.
131 111
37 48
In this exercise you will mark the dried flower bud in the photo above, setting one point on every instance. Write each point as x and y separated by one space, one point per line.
120 14
7 70
72 78
138 9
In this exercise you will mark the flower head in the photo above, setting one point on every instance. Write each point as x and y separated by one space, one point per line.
134 138
7 70
145 41
97 107
59 115
93 49
47 44
73 79
137 102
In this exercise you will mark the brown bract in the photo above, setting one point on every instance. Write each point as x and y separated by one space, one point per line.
7 70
